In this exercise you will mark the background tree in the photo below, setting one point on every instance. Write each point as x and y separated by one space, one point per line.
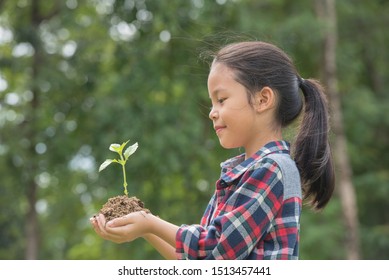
326 11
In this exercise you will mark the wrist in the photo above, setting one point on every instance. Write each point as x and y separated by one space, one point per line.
152 222
147 236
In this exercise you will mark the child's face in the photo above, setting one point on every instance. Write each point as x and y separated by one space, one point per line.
234 119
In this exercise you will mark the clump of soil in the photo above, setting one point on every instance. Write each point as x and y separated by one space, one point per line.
122 205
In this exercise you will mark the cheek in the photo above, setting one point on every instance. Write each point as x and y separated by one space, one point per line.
238 117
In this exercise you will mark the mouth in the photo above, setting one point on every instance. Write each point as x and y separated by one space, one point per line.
218 129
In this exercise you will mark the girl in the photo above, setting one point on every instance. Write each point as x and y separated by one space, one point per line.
255 210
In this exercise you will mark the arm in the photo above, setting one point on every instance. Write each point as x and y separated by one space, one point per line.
165 249
241 221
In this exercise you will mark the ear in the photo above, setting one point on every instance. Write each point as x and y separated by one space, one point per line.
265 99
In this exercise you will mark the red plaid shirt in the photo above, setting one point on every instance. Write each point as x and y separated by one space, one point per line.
254 212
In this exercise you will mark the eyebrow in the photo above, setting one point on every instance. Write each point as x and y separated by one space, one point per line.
217 91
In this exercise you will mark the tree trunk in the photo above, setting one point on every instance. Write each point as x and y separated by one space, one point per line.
32 126
32 235
326 11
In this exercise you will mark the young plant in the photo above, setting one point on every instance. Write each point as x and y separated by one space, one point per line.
122 160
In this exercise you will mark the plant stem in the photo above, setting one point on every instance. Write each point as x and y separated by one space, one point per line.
124 174
124 181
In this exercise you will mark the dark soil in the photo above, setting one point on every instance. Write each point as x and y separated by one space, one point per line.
122 205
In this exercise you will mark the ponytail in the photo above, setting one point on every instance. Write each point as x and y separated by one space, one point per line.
312 150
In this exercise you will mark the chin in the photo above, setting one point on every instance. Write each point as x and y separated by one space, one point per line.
228 145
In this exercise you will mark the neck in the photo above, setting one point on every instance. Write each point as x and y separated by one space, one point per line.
259 142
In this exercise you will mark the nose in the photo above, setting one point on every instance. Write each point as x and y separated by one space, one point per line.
213 114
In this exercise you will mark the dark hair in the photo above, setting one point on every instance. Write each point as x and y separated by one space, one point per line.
259 64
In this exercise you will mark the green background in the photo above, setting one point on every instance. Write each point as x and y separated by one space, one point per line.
78 75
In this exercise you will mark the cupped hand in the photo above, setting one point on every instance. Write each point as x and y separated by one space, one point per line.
123 229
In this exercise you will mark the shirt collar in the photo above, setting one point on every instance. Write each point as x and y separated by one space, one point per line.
236 166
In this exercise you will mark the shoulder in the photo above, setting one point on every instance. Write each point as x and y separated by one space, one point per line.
288 173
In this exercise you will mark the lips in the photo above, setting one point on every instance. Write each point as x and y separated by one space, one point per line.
219 128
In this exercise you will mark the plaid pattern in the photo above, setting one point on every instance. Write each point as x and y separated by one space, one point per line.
249 216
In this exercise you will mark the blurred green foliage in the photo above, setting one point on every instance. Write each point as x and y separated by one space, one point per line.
78 75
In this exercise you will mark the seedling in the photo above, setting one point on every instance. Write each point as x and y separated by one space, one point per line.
117 148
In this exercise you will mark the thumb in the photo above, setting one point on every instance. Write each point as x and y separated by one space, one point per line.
121 221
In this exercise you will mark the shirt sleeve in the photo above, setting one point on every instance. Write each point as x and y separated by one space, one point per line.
243 220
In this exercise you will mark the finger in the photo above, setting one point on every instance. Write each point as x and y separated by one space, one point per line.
122 221
98 223
96 226
93 221
101 222
102 219
101 226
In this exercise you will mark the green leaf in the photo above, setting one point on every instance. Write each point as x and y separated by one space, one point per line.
118 148
106 163
114 147
130 150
